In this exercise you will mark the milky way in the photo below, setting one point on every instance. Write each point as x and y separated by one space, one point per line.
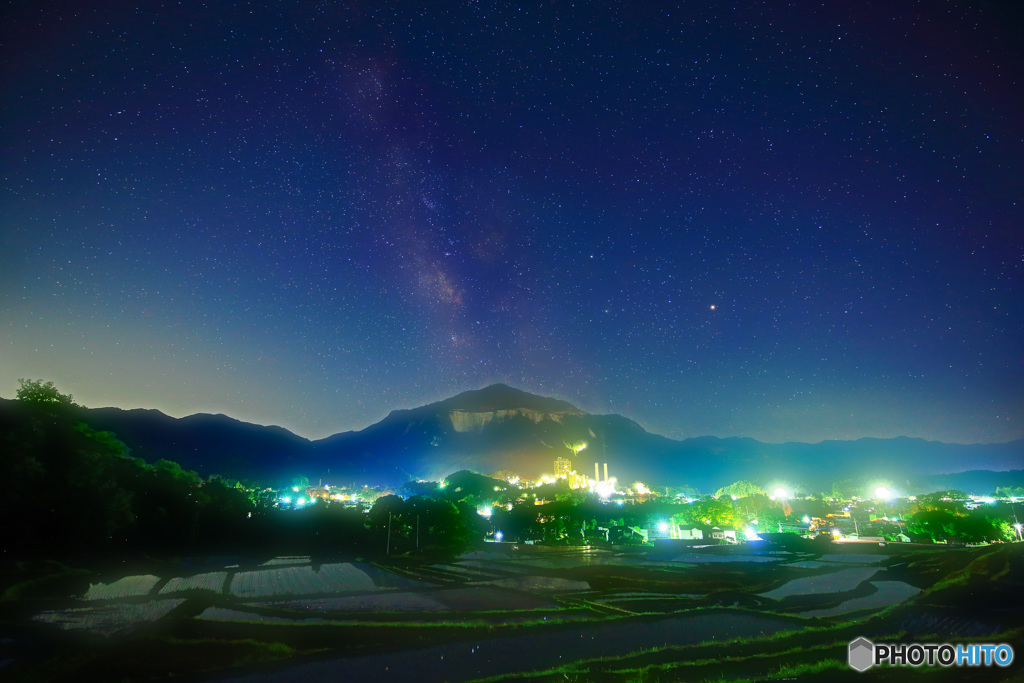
790 221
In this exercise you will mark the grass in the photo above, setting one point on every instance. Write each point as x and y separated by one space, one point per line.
60 581
149 659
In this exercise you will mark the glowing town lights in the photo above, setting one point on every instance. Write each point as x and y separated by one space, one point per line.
663 527
883 493
605 489
498 535
641 488
300 502
286 500
484 510
781 493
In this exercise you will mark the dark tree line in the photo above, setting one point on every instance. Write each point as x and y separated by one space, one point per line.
66 487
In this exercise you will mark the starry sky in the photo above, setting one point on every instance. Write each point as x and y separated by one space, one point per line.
784 220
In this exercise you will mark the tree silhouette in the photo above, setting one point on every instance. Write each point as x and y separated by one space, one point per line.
38 392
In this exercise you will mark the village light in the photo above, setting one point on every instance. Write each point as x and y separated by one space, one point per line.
498 535
781 493
663 527
883 493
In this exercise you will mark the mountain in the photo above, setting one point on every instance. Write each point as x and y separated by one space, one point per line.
503 428
490 429
208 444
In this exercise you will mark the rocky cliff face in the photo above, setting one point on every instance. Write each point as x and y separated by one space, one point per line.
469 421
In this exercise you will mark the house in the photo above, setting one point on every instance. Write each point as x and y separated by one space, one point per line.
723 535
625 535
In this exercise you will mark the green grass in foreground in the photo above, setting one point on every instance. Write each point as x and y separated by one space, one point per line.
146 659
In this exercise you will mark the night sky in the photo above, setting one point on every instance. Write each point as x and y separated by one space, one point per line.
783 220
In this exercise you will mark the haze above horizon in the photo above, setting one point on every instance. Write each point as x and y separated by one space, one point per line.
789 223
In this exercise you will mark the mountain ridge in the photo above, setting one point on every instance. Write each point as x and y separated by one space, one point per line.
521 432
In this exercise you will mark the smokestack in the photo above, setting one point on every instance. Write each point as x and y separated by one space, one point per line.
606 471
597 476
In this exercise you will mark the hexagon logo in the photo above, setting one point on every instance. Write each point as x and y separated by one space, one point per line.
862 654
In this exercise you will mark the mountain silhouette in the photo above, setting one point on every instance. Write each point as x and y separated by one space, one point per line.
503 428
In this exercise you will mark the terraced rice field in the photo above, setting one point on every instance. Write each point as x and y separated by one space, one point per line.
835 582
286 560
886 593
128 587
211 581
704 558
409 603
538 584
468 600
108 620
331 578
237 615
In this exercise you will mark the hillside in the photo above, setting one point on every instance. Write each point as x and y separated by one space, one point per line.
503 428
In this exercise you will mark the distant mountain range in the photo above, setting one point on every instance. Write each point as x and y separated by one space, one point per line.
502 428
